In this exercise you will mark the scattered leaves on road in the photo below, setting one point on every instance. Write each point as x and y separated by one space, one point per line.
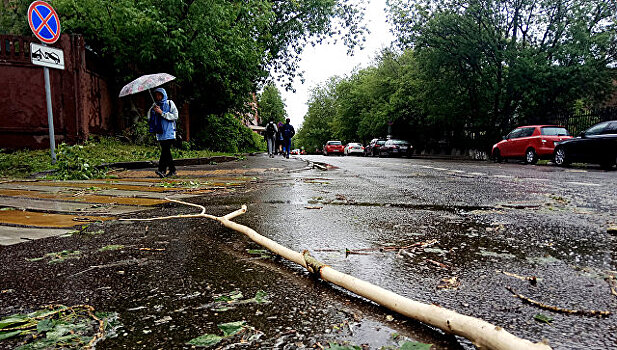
543 319
58 326
237 331
58 257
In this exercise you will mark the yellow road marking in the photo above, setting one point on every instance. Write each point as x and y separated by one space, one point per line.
86 198
34 219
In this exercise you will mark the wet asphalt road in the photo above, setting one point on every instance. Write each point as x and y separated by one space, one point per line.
482 220
540 221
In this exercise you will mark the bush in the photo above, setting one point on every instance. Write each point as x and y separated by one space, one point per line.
225 133
140 133
73 164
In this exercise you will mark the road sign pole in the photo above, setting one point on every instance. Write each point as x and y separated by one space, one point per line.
50 116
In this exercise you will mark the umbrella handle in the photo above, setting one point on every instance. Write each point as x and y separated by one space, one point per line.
151 96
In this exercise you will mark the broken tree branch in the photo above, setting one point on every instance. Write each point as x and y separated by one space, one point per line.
558 309
483 334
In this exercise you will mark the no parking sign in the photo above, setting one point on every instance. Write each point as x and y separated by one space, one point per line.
44 22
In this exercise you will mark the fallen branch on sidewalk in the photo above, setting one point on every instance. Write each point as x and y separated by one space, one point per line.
482 334
558 309
532 279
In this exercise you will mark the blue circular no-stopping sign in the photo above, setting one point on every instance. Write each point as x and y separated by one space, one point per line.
44 22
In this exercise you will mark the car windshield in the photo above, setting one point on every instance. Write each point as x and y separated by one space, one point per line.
596 129
335 143
554 131
381 142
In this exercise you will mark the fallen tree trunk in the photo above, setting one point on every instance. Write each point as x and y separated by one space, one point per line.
482 334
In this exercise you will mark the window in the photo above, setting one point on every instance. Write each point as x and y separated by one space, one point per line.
554 131
527 132
334 143
516 133
596 129
611 129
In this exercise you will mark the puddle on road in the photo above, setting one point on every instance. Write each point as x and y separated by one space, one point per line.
36 219
102 186
83 198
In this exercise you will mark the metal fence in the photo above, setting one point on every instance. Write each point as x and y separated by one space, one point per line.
577 122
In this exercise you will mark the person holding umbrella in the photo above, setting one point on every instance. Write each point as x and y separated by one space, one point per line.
163 115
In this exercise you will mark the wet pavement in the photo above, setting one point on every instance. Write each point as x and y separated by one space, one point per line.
452 233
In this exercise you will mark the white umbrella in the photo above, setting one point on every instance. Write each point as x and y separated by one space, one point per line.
146 82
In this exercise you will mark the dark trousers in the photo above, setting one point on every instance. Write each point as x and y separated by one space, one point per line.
286 147
166 160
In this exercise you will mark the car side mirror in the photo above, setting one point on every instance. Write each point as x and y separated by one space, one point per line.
582 134
504 137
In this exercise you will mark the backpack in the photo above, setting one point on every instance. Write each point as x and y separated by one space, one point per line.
155 123
288 131
270 130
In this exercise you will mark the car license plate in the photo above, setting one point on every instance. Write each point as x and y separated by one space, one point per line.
403 148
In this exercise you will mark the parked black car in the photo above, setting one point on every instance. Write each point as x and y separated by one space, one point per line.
395 148
597 144
372 149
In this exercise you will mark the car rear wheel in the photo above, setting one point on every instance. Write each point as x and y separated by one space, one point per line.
531 157
561 157
497 156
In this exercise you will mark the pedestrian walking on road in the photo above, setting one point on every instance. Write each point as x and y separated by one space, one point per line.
271 132
163 115
279 139
288 132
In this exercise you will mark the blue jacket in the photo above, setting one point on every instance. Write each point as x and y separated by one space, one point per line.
168 118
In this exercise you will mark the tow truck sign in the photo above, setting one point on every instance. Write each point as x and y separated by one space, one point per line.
46 56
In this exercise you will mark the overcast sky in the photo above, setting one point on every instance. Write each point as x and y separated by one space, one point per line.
321 62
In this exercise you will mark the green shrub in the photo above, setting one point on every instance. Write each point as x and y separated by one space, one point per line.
225 133
74 163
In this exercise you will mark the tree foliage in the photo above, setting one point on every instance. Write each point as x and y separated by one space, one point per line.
466 71
317 126
220 51
271 105
487 63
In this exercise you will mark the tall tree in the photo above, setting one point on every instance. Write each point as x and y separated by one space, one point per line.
271 105
317 127
497 62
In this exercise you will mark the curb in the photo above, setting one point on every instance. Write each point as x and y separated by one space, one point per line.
177 162
151 164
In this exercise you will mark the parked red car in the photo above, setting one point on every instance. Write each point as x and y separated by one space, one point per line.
530 143
333 147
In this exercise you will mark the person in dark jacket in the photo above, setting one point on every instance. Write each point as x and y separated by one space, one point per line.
270 135
288 132
163 115
279 138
